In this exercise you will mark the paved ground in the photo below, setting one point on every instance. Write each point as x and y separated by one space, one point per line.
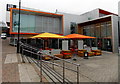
12 68
0 62
95 69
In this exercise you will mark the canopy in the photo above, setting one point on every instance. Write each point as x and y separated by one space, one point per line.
48 35
78 36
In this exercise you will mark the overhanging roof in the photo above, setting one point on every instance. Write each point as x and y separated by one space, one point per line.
97 20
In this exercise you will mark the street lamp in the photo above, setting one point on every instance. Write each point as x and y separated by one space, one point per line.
18 27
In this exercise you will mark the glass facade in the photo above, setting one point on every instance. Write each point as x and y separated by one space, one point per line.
32 22
103 33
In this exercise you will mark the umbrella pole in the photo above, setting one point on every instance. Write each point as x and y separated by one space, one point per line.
58 43
43 44
90 43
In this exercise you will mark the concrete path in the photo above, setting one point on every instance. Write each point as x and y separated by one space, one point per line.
27 73
12 69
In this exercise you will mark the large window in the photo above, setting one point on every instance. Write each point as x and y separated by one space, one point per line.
36 23
103 33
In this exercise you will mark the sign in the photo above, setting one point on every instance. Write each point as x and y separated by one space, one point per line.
10 6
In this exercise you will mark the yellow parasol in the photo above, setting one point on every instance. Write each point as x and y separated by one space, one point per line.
48 35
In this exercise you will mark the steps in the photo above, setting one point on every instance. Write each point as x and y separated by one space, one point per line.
50 74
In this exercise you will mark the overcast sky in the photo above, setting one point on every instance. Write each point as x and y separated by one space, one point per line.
68 6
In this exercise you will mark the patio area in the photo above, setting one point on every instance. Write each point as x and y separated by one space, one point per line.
102 68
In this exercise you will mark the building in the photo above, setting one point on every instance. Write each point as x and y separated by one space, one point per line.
98 23
105 29
104 26
34 22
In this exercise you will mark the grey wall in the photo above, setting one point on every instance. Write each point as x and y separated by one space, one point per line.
68 18
115 33
89 15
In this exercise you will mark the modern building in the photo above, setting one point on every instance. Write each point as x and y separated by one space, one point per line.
105 29
104 26
34 22
98 23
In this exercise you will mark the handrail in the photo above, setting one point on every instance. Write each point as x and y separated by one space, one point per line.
53 56
49 61
29 49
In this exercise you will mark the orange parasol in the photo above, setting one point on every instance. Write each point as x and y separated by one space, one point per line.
78 36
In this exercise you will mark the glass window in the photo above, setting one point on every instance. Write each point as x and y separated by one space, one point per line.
31 23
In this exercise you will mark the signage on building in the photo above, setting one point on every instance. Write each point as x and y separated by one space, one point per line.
10 6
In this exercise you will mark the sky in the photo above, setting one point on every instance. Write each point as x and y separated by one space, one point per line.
69 6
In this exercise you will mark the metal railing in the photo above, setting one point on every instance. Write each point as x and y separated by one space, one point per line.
32 52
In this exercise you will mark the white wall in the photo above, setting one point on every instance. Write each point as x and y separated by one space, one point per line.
115 33
68 18
91 14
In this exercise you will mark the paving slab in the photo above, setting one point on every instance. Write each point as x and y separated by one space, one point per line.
27 73
11 58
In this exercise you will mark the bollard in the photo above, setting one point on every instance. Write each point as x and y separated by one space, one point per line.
85 55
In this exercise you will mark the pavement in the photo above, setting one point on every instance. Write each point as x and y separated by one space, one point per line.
95 69
102 68
12 69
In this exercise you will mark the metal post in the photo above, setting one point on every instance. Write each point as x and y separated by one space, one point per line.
63 72
58 43
18 28
40 66
22 54
90 43
31 52
53 60
77 74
